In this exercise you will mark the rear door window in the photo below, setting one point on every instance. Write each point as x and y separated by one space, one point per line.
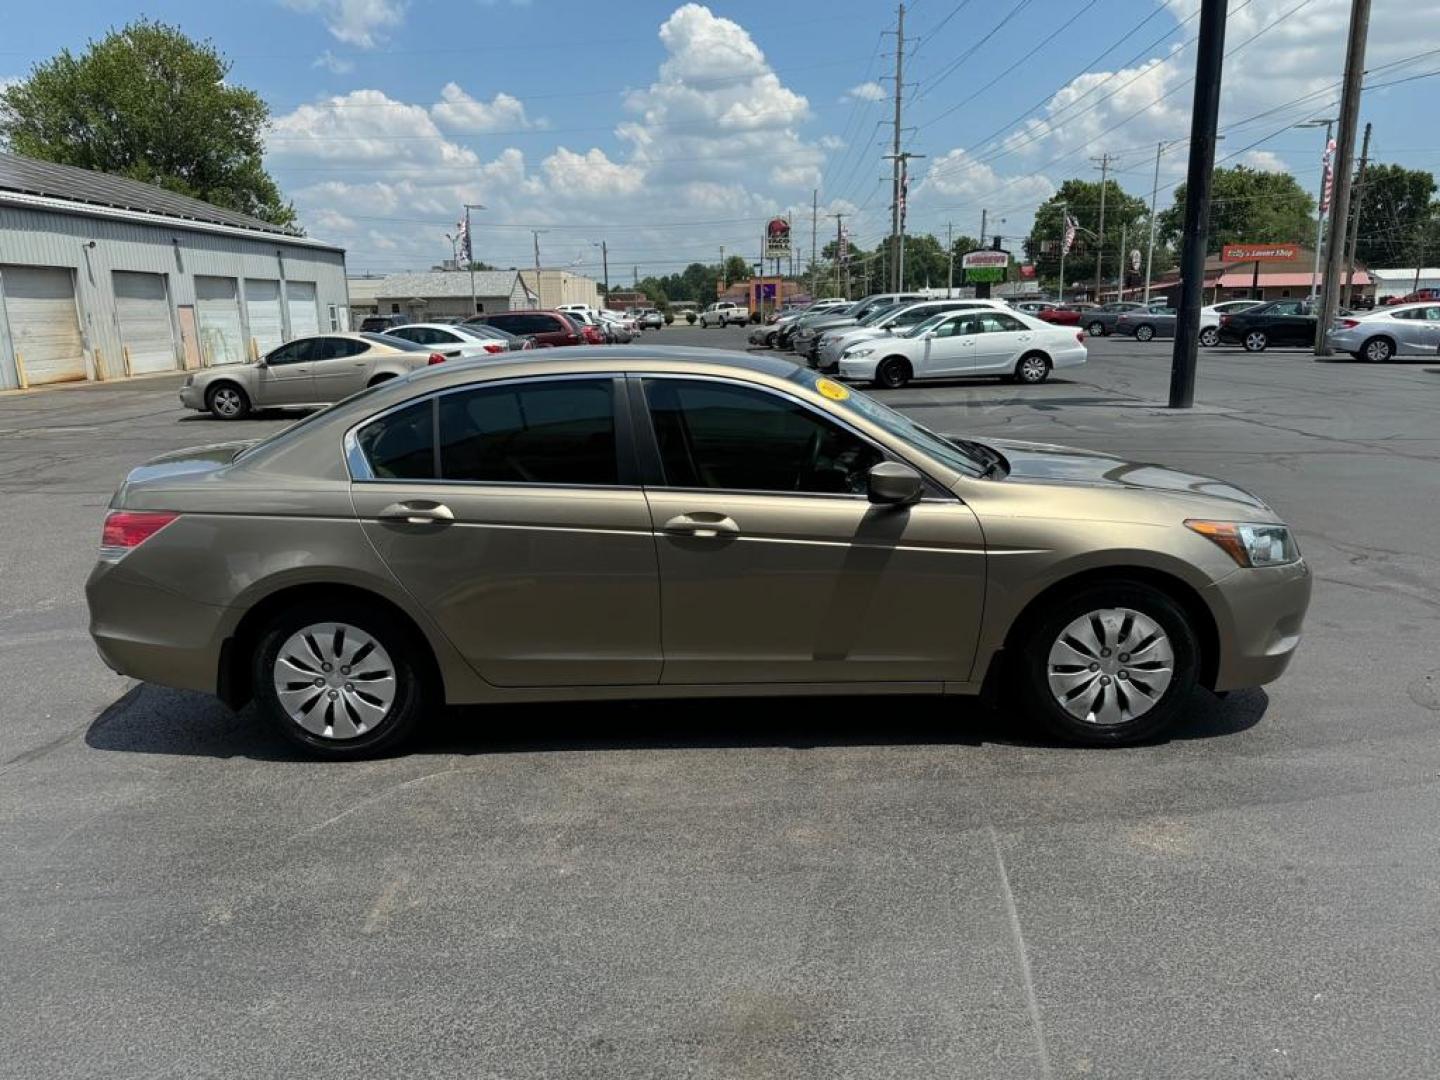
549 432
401 444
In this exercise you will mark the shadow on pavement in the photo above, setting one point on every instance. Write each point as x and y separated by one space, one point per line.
155 720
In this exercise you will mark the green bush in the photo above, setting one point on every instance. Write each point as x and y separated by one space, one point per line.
669 317
690 317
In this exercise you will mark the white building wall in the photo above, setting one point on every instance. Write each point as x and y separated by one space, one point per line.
92 246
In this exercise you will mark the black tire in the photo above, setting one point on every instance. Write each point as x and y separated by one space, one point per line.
1144 332
1030 665
227 401
1032 369
1096 329
412 692
892 373
1378 350
1256 340
1210 337
770 340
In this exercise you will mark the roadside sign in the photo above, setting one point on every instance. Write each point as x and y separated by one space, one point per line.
777 239
1258 252
1134 258
986 265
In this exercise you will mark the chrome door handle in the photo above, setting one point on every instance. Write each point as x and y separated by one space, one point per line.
706 526
417 513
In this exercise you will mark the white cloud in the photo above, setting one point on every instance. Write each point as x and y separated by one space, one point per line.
572 175
865 91
336 65
362 23
1264 160
365 126
458 111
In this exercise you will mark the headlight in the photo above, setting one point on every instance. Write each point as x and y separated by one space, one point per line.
855 354
1262 544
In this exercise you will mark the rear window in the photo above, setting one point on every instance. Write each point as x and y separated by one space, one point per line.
395 342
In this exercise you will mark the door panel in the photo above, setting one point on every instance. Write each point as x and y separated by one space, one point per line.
142 308
217 304
44 327
285 378
817 589
336 369
301 307
262 304
535 586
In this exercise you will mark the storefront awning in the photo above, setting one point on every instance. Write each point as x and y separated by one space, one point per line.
1242 279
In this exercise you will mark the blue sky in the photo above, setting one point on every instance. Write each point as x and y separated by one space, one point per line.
670 129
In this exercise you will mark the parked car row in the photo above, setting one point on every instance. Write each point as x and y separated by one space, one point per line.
890 339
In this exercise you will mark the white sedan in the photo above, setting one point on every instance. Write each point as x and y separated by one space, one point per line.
834 343
1210 318
1009 344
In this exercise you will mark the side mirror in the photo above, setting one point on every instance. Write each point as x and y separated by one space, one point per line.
892 484
929 334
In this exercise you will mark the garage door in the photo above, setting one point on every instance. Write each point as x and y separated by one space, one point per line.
44 329
304 315
262 304
143 308
217 309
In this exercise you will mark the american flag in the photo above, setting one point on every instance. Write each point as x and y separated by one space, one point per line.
1329 186
1070 226
462 237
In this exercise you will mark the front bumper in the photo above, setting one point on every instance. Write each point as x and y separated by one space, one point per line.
862 369
191 397
1258 615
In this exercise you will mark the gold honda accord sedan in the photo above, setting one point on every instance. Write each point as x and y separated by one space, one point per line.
632 522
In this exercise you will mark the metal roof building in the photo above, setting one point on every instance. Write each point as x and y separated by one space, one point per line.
438 293
103 277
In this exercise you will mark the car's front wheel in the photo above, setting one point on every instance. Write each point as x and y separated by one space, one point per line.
1256 341
1378 350
226 401
893 373
1032 369
1095 329
1210 337
1112 663
1144 333
338 680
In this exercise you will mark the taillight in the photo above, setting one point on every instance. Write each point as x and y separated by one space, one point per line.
435 358
1080 337
128 529
494 348
1346 324
1224 319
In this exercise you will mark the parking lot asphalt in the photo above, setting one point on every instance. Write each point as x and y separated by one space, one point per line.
836 888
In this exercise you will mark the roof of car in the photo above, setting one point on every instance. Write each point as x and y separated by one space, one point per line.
615 357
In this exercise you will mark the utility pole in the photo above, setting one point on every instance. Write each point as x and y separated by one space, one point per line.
1064 228
535 236
1154 195
724 284
814 234
1344 169
950 258
1104 163
839 246
605 269
1354 239
1204 117
984 225
470 256
896 259
1120 277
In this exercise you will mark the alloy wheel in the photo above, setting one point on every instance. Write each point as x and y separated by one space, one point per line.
334 680
1377 350
1110 666
227 401
1096 329
1033 369
1209 337
1255 341
1144 333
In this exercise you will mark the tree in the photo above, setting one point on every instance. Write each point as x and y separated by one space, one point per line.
1124 213
737 269
1399 218
151 104
1249 206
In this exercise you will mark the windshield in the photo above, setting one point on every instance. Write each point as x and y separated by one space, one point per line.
876 315
972 459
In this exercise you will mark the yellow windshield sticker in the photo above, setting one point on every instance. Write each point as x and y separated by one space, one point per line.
831 389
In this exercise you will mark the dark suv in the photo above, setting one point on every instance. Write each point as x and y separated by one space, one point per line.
548 328
378 324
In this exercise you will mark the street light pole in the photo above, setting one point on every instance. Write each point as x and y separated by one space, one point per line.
470 256
1154 196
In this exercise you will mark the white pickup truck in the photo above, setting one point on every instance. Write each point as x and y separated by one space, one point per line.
724 313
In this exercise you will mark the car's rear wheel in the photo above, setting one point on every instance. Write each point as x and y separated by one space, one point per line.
1256 341
1210 337
339 681
227 401
893 373
1095 329
1032 369
1111 664
1378 350
1144 333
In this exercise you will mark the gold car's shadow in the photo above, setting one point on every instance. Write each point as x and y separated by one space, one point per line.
155 720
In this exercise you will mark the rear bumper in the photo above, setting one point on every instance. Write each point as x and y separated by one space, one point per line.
153 634
1259 615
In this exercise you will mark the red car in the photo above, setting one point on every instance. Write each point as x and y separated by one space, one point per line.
1066 315
548 328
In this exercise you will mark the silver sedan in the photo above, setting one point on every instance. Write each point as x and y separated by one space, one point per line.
1403 330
